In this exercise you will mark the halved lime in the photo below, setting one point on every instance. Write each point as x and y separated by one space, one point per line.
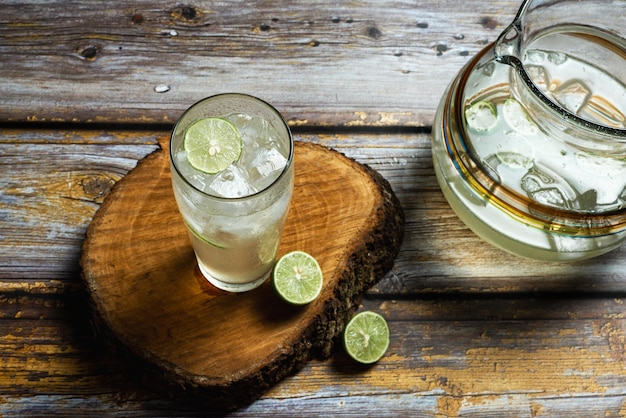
481 116
212 144
366 337
298 278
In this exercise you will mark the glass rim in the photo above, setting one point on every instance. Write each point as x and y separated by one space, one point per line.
246 97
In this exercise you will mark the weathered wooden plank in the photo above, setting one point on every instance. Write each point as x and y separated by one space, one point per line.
51 184
352 64
475 332
494 357
464 355
472 357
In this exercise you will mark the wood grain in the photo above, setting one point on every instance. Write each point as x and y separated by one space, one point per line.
151 304
43 186
468 337
561 356
474 332
366 63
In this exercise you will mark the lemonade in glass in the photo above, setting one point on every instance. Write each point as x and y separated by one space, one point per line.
231 159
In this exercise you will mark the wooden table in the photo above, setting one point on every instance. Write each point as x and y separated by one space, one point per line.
88 87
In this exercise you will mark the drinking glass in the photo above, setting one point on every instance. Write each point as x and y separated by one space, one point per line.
235 217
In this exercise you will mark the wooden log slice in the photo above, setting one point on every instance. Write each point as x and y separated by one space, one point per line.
183 336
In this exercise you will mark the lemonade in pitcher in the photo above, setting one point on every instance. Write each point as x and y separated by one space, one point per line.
529 141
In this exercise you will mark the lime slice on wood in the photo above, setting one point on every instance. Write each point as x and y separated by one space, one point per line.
481 116
298 278
212 144
366 337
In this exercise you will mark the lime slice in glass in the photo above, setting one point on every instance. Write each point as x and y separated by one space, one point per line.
199 236
481 116
366 337
517 118
212 144
297 278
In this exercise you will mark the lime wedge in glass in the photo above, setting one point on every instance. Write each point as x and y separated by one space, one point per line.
212 144
297 278
366 337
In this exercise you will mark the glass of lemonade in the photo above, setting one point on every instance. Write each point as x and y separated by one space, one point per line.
231 159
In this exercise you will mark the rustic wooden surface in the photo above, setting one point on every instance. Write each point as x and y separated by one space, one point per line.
474 332
194 342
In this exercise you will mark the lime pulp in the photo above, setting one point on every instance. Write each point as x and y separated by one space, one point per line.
297 278
212 144
366 337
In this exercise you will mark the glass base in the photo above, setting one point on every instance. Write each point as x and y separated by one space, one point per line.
233 287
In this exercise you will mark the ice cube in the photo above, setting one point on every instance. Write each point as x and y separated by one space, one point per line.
539 75
274 141
182 164
254 134
570 244
489 69
255 130
530 184
232 182
549 188
557 58
251 128
238 119
266 167
535 56
602 111
197 178
490 165
201 181
588 200
572 95
550 196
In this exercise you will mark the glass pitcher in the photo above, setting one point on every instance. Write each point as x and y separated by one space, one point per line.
529 140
